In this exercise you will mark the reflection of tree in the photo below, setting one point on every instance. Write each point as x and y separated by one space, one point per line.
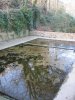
39 80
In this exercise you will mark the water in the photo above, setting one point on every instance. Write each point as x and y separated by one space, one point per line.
23 79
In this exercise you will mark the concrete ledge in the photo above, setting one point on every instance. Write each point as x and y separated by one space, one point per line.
14 42
58 35
56 38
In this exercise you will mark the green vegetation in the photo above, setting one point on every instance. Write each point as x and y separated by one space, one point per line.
59 21
27 18
15 21
19 20
3 21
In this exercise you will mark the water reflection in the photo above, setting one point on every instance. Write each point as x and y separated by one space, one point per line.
42 82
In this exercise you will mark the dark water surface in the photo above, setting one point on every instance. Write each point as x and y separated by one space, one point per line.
31 81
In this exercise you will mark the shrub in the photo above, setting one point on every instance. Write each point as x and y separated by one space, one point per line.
59 21
35 15
16 21
3 21
27 17
20 20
